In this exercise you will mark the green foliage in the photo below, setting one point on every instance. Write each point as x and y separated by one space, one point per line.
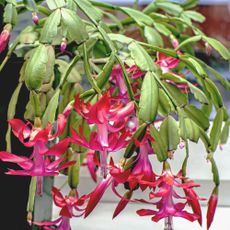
73 49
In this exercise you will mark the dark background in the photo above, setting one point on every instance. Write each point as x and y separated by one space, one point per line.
13 189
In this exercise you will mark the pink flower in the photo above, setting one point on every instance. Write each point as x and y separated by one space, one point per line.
39 163
212 204
61 223
166 206
142 173
193 201
110 116
134 72
116 141
29 135
117 175
69 205
166 63
118 82
118 78
5 37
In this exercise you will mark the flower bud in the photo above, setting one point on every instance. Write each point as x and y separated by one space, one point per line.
221 146
181 144
208 49
29 218
5 37
63 45
212 203
35 18
174 42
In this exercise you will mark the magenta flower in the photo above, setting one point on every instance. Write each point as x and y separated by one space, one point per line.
166 206
118 79
117 175
38 164
193 201
116 141
166 63
212 204
142 173
5 37
134 72
61 223
110 116
70 205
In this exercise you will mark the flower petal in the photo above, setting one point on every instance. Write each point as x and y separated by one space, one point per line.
146 212
24 162
59 148
97 194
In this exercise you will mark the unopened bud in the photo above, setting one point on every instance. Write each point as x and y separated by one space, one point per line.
174 41
5 37
35 18
182 144
221 146
29 218
63 45
208 49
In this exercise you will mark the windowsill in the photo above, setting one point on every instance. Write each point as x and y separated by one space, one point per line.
101 219
198 169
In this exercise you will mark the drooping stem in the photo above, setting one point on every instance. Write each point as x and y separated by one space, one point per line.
168 223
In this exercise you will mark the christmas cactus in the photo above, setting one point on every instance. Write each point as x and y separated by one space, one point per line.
95 89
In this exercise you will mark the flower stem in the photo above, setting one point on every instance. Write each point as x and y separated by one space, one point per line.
168 223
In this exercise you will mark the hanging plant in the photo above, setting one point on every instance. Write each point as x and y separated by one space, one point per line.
95 91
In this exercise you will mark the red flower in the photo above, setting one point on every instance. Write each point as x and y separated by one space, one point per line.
134 72
110 116
212 204
117 78
166 63
39 164
69 205
117 175
29 134
166 206
193 201
142 173
117 81
5 37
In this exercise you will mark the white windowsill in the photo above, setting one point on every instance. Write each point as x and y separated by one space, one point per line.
198 169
